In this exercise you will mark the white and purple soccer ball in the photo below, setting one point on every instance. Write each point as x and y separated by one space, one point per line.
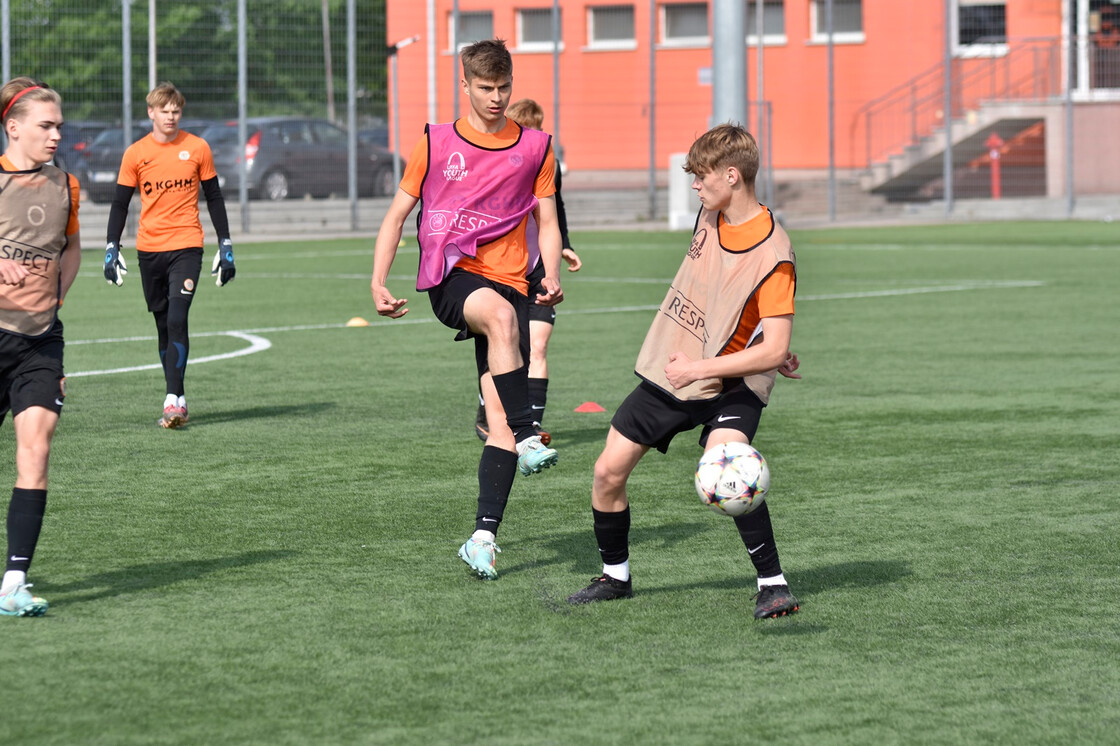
732 478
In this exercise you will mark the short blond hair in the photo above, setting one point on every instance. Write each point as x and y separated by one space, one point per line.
18 93
164 94
527 113
722 146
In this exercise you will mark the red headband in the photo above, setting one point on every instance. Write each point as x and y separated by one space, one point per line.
16 98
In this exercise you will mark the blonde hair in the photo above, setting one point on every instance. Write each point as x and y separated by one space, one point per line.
488 60
18 93
527 113
164 94
722 146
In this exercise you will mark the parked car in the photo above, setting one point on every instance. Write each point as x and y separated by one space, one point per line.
102 158
289 157
76 138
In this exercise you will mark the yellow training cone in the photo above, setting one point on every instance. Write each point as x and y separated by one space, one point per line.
357 321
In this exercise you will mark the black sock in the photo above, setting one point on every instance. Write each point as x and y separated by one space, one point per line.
178 347
496 471
25 520
757 534
538 397
612 531
513 391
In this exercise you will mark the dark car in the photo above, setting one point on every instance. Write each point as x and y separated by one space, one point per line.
76 138
102 158
292 156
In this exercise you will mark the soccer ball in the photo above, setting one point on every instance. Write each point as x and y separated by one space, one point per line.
732 478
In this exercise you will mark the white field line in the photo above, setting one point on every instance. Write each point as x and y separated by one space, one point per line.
259 344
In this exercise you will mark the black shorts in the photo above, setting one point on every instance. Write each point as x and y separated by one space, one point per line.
547 314
650 417
167 274
447 301
31 372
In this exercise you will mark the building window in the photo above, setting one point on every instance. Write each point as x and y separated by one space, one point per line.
684 24
980 28
473 26
773 22
534 29
847 21
611 27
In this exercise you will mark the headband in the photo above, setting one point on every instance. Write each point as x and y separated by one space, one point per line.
16 98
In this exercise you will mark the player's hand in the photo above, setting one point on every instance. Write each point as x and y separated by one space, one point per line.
552 294
572 258
790 366
114 264
223 263
12 273
679 370
386 304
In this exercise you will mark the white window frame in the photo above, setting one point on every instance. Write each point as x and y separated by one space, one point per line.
683 41
972 51
460 43
838 37
767 39
538 46
609 45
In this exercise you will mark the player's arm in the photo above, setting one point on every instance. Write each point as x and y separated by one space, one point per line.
114 267
385 251
223 269
548 240
68 264
769 354
12 273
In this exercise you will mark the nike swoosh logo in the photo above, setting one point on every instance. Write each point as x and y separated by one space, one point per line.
186 292
58 402
534 406
724 418
17 559
753 551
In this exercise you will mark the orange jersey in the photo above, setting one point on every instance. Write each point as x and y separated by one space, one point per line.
75 194
505 260
169 176
775 297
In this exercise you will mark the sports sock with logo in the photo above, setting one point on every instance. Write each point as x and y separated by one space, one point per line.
496 471
612 532
25 521
538 397
757 534
513 391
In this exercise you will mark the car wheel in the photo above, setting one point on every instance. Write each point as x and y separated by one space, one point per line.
276 186
383 183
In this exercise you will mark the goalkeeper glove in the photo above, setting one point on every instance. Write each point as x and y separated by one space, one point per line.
114 264
223 263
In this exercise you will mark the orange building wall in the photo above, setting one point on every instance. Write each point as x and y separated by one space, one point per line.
605 95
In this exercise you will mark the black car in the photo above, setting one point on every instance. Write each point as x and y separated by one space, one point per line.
289 157
76 139
101 160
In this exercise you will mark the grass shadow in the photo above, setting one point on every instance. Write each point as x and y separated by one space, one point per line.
143 577
264 412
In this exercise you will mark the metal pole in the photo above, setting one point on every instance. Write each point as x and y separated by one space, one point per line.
652 186
393 54
831 117
328 64
126 70
153 78
6 39
729 61
455 60
432 61
1069 115
242 111
947 161
352 109
557 147
759 21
